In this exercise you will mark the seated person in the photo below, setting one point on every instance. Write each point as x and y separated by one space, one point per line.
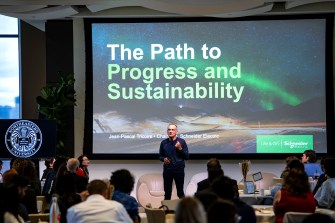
295 195
225 188
214 170
123 182
325 196
322 178
294 163
287 161
312 168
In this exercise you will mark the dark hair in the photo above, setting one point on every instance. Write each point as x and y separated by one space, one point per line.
311 155
26 167
190 210
48 161
1 162
329 166
80 158
295 164
122 180
296 183
222 209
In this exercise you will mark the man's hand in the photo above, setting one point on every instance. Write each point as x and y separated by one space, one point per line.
166 160
178 146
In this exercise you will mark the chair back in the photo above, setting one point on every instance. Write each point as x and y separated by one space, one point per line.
150 189
155 215
192 186
295 217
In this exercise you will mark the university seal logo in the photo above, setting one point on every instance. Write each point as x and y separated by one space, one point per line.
23 138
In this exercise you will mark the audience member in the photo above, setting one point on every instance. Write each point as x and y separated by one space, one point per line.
67 193
287 161
11 204
227 189
123 182
50 182
25 167
214 170
84 162
222 211
325 196
11 177
96 208
322 178
312 168
318 218
295 195
80 181
190 210
49 163
294 163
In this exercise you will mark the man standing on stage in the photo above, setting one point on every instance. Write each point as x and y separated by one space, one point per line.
173 152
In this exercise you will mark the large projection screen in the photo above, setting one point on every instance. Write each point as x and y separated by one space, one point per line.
251 88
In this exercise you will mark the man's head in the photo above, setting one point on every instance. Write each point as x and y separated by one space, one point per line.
72 165
214 169
309 156
0 165
97 187
172 131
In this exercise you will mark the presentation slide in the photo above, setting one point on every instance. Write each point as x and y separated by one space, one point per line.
231 87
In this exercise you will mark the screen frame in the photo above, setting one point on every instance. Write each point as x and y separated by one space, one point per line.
88 138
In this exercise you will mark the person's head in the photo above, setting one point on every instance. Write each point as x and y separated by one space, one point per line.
295 163
222 209
26 167
296 183
72 165
49 162
97 187
289 159
21 182
329 166
84 162
58 162
122 180
225 187
214 169
172 131
309 156
190 210
1 165
8 176
318 217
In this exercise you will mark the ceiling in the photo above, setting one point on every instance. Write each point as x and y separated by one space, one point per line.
38 11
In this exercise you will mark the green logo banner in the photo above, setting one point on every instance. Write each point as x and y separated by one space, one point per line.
284 143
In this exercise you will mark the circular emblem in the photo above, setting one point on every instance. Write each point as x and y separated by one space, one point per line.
23 138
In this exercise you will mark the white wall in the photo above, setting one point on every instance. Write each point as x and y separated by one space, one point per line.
103 168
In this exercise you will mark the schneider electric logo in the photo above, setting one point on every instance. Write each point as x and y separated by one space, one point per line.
296 145
23 138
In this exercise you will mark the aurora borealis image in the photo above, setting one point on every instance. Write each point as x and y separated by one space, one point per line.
226 84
